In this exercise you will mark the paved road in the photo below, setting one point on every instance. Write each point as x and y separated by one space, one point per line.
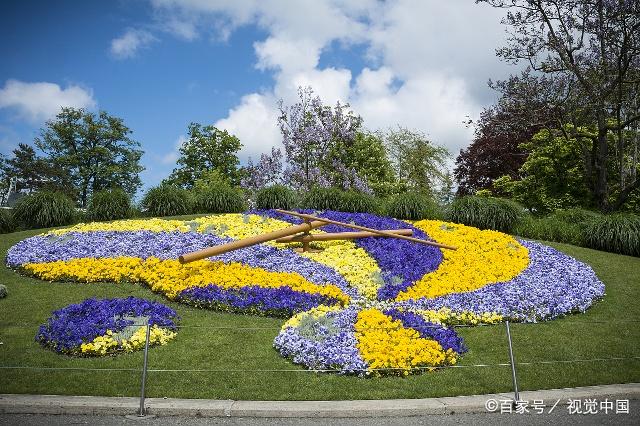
561 417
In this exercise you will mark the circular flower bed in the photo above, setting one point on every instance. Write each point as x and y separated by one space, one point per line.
370 305
107 326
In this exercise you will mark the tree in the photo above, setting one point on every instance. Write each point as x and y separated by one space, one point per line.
206 149
417 162
552 177
593 48
93 151
33 172
268 171
525 107
367 156
314 138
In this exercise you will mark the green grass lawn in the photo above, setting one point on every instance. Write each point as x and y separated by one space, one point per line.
243 344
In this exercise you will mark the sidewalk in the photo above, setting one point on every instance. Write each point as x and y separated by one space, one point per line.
94 405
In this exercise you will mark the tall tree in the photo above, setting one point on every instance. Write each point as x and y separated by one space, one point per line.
207 148
315 136
418 163
593 46
93 151
526 105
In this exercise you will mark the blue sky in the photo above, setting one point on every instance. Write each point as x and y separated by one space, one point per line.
161 64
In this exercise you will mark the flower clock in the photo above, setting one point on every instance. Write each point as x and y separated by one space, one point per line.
369 306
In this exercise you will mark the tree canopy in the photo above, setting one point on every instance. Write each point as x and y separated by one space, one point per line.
207 148
93 151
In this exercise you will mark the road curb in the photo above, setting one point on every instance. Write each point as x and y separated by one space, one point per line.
96 405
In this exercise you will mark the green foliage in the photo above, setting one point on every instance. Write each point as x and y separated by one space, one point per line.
3 291
207 149
550 229
91 151
44 209
275 197
485 212
358 202
7 223
617 233
219 198
109 204
416 160
552 176
368 157
413 206
577 216
322 199
167 200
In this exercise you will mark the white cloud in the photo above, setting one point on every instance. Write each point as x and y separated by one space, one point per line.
128 44
172 157
254 122
428 60
41 101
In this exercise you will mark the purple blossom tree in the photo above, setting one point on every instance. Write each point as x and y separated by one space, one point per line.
314 136
268 171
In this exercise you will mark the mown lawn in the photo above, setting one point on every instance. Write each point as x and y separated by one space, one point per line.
236 346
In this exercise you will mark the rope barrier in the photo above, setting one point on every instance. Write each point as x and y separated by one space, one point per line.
276 370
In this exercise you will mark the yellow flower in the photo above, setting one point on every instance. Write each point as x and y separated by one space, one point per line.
481 258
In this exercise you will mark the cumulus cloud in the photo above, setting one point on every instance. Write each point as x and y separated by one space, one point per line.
128 44
172 156
427 61
254 122
40 101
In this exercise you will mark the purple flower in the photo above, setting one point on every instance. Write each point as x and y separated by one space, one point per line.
278 302
70 327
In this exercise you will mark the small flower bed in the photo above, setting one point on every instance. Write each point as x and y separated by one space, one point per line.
369 306
107 326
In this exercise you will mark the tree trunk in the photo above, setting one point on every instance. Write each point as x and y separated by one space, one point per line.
600 163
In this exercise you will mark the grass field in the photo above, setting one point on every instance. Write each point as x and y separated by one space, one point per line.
235 346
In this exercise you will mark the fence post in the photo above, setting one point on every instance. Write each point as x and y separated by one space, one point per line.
513 365
142 413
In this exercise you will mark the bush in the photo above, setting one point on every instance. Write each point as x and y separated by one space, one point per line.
485 212
413 206
322 199
275 197
550 229
45 209
109 205
579 216
3 291
166 200
7 223
219 198
358 202
617 233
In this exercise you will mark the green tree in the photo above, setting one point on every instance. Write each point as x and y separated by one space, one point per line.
417 162
207 148
553 175
368 157
33 172
93 151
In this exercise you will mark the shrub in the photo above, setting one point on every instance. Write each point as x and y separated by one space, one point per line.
45 209
7 223
275 197
166 200
485 212
219 198
579 216
3 291
617 233
550 229
109 205
358 202
322 199
413 206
